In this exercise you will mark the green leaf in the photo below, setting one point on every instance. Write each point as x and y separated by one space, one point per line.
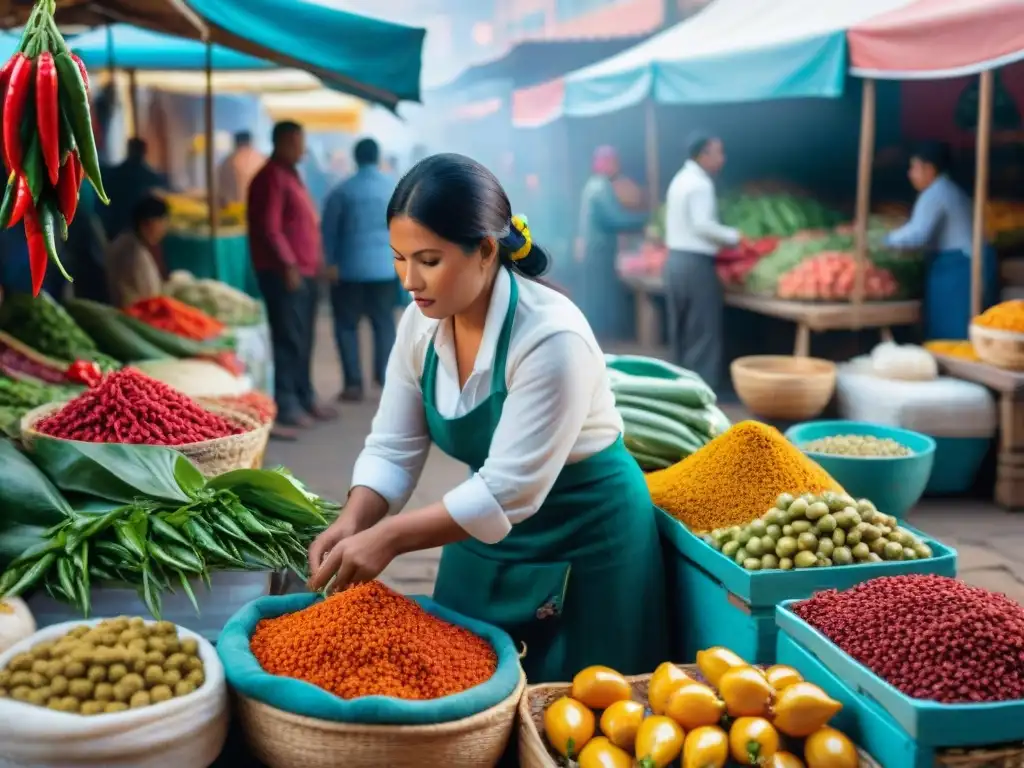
26 495
117 472
17 539
271 491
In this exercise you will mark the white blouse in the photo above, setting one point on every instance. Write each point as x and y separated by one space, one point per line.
559 409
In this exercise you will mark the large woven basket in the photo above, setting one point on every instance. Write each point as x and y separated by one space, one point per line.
211 457
1003 349
533 750
784 387
1011 756
283 740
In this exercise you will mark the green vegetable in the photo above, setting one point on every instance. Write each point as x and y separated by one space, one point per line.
43 324
113 336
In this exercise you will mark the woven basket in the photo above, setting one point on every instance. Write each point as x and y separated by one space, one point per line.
533 750
1003 349
211 457
784 387
283 740
992 757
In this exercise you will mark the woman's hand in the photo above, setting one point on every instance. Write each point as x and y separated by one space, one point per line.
355 558
363 509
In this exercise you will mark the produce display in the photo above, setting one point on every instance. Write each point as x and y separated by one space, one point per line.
781 215
48 144
192 214
195 378
735 478
931 637
19 396
723 711
668 412
371 641
817 531
17 360
832 275
221 302
130 407
1004 221
169 314
858 445
961 349
117 665
733 264
257 404
44 325
1007 316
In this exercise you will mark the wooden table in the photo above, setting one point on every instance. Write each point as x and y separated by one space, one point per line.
809 316
1009 386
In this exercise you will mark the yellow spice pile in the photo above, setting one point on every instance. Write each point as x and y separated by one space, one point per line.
736 478
1008 316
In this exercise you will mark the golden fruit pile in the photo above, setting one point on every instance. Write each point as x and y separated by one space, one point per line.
741 713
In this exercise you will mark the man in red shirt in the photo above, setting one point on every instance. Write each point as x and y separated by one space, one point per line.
287 255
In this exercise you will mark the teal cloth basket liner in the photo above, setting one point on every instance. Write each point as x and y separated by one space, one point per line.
298 697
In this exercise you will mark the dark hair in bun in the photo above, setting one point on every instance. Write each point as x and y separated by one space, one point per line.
458 199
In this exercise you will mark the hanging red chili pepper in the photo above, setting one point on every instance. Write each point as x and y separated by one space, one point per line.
37 255
15 201
15 99
67 190
48 114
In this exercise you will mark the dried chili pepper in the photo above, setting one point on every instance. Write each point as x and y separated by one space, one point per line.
76 99
15 201
51 223
48 114
15 99
67 191
37 253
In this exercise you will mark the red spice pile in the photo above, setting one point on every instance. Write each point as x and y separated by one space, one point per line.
256 404
130 407
931 637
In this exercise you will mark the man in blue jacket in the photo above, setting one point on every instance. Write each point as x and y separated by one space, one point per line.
357 252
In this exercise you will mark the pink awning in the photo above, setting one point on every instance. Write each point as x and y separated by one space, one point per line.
934 39
538 105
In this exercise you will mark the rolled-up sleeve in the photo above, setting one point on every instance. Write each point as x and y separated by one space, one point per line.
548 402
396 449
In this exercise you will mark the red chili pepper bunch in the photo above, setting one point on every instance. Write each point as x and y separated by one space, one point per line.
48 145
84 372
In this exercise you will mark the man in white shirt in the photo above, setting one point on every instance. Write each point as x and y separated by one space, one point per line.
694 236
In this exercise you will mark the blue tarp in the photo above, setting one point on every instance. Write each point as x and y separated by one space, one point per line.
136 48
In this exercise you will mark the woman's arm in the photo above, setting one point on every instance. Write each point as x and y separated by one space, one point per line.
613 215
924 222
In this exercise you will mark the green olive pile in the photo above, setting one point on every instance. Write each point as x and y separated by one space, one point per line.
817 531
858 445
117 665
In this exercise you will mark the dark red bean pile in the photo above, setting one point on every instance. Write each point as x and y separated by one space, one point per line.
130 407
929 636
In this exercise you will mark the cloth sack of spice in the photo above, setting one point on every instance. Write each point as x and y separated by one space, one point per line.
186 731
299 697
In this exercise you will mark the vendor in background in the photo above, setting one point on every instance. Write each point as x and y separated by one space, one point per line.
553 538
127 184
596 287
132 271
694 235
941 224
237 171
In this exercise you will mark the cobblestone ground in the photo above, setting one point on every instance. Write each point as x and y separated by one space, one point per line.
990 542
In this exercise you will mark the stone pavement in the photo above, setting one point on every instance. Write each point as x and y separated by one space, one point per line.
990 542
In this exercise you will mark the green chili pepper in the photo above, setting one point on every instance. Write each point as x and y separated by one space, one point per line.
34 171
129 538
67 137
163 556
205 540
248 520
121 555
150 593
12 576
38 550
226 524
66 574
84 587
30 577
76 100
53 226
183 578
101 574
103 522
165 530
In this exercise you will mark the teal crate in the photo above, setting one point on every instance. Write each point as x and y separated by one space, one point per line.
948 725
766 589
862 719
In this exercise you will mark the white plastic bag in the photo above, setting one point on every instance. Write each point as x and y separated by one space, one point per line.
188 732
905 363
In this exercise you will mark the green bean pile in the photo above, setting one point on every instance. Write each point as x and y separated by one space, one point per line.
155 547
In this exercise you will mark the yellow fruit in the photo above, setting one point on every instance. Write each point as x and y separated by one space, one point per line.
781 676
666 678
659 741
601 753
693 705
600 687
803 708
745 691
621 721
829 748
714 662
706 747
785 760
568 725
753 741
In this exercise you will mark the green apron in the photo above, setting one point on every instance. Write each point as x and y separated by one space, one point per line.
581 582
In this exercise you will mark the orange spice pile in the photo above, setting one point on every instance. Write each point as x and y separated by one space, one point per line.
372 641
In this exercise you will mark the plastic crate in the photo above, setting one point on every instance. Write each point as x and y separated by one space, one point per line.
766 589
928 722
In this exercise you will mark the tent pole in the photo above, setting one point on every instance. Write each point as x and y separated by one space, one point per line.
651 152
133 97
211 170
864 164
983 142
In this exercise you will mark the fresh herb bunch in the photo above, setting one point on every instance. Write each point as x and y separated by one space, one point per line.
48 144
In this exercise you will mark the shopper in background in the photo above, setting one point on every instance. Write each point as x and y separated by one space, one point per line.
597 289
127 184
285 246
694 236
132 271
942 224
238 169
360 266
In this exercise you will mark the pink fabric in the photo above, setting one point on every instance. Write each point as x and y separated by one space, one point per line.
937 36
284 227
538 104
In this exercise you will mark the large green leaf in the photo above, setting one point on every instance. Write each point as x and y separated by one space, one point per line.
269 490
27 496
17 538
118 472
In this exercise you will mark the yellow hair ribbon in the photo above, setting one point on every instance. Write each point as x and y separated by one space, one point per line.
522 227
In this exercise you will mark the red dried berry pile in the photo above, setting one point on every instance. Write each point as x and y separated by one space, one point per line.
130 407
931 637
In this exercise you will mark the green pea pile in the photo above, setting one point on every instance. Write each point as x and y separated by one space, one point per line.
117 665
858 445
818 532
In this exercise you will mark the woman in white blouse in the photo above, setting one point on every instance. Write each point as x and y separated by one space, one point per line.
553 535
